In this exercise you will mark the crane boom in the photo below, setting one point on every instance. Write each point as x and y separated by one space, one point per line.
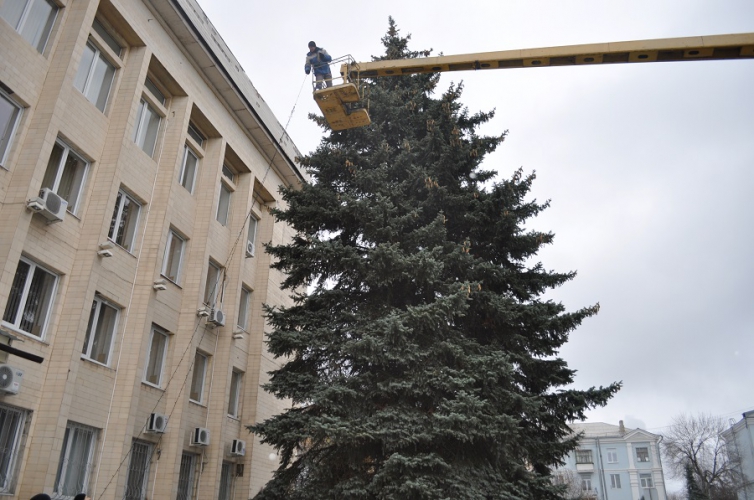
339 102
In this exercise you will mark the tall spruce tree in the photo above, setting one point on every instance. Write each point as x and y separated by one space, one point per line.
693 491
421 361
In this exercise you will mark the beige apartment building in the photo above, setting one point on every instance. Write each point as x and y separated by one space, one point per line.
138 166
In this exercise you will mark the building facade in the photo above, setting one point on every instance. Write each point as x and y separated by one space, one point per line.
138 167
739 439
614 463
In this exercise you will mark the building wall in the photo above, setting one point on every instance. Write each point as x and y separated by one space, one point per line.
740 442
111 399
614 451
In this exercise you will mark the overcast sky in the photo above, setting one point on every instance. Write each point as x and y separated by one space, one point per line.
650 169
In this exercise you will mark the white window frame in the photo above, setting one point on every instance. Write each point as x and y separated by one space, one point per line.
81 173
170 256
234 397
159 361
224 198
23 299
183 178
128 236
582 453
645 452
615 481
198 377
586 483
150 105
646 480
244 308
186 483
13 423
612 455
141 457
101 54
93 326
251 239
8 132
75 430
38 42
214 284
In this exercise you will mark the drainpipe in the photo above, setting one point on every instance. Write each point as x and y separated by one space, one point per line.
601 469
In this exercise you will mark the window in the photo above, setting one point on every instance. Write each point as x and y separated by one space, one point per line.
158 348
226 482
223 204
244 308
95 75
103 321
125 221
138 471
252 238
171 267
646 480
148 118
612 455
33 19
188 168
584 457
615 481
65 174
9 115
186 477
235 393
12 422
197 379
228 173
76 458
586 483
30 299
195 134
213 286
642 454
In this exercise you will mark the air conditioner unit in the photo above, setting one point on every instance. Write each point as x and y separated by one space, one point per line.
10 379
238 448
157 423
216 317
49 205
200 437
250 249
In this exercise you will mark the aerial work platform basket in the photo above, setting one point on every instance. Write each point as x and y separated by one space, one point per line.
340 102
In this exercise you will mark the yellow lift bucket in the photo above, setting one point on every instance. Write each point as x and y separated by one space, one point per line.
336 104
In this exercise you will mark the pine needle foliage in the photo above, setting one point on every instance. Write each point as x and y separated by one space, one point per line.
422 361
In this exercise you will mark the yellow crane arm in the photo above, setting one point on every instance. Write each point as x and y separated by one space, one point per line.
340 104
697 48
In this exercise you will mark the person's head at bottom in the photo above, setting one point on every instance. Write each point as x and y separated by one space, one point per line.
41 496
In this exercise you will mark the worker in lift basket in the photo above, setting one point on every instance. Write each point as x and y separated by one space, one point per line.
318 59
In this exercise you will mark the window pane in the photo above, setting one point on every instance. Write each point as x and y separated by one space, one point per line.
138 471
197 379
155 91
16 292
194 133
9 112
223 205
226 482
38 302
186 477
227 172
151 127
51 174
75 460
243 309
90 327
11 423
235 387
107 37
128 220
153 369
174 252
71 180
12 12
101 80
103 335
213 284
188 172
85 67
36 27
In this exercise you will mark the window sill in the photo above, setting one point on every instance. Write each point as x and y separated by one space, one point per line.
171 281
235 418
96 363
197 403
152 386
25 335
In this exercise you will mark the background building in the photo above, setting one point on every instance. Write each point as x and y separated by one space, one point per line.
615 463
740 442
138 167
